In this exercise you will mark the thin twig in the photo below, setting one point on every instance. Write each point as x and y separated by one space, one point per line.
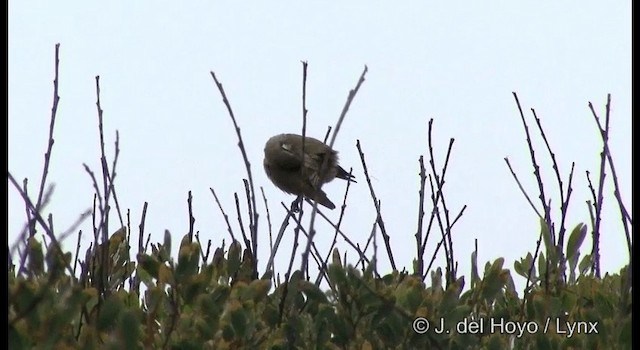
560 241
464 207
420 251
326 135
312 232
47 229
266 207
342 234
94 182
47 155
440 181
335 235
616 187
515 177
206 255
247 192
274 250
536 167
104 211
141 247
253 224
376 203
28 224
226 217
536 172
599 202
304 133
27 227
112 177
244 235
304 118
564 209
443 242
146 244
131 278
287 275
373 237
192 220
74 226
315 253
75 261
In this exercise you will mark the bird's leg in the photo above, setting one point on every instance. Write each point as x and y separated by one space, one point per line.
295 205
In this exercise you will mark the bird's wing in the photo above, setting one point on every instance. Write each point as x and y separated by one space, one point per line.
288 159
292 159
313 163
310 161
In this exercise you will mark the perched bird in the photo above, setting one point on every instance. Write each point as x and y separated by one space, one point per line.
300 174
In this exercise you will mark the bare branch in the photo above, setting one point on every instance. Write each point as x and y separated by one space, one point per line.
312 232
253 221
376 203
226 217
47 155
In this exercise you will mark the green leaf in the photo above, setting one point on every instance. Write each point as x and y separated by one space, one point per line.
129 330
233 260
218 260
188 260
409 294
547 239
149 264
36 257
109 312
271 315
450 298
312 291
542 265
493 280
436 278
475 276
220 294
458 313
342 331
167 241
335 257
539 307
227 332
193 287
575 241
258 289
491 288
337 275
497 265
585 264
239 320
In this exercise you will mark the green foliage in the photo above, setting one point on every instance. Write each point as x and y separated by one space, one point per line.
155 301
191 304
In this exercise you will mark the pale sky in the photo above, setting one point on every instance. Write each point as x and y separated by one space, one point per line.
455 63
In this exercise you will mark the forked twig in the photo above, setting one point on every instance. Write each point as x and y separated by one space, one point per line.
376 203
312 232
253 220
604 133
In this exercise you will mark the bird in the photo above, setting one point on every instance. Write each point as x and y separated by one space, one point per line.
302 174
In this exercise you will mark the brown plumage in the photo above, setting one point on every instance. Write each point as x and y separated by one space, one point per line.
299 174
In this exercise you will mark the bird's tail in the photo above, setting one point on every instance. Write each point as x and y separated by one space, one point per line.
321 198
343 174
